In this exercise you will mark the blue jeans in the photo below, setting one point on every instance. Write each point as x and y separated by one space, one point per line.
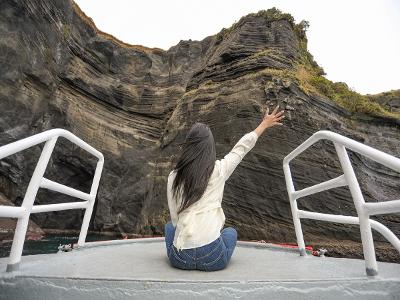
211 257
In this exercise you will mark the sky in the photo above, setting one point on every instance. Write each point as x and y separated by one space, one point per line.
355 41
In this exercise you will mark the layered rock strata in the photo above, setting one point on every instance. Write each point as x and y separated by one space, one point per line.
135 104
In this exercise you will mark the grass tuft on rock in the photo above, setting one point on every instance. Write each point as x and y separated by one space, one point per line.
312 82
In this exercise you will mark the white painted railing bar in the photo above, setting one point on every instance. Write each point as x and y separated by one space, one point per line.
39 138
89 209
385 159
27 203
12 212
38 181
328 217
59 206
364 210
330 184
382 229
54 186
387 233
294 209
387 207
371 266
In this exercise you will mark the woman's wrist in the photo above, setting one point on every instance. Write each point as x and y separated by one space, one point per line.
260 129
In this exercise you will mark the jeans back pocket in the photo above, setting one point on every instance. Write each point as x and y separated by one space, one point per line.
178 260
214 259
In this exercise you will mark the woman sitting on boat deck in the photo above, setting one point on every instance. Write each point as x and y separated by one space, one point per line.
195 188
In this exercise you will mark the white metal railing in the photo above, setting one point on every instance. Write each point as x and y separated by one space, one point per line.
364 210
38 181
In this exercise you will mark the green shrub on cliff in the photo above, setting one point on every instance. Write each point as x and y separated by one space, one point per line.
344 96
311 79
274 14
271 15
390 100
313 83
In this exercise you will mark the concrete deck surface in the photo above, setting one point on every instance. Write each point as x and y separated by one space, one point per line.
140 269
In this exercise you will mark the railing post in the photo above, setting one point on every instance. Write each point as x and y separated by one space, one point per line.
30 195
294 209
89 208
365 227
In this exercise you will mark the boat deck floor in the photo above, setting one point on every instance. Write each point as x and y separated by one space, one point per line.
118 269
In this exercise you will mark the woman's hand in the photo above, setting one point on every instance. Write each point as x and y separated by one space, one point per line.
270 120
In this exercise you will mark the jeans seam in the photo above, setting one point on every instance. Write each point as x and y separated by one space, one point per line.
211 252
195 260
190 257
177 257
221 255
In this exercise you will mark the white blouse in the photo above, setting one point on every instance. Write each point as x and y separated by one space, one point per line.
201 222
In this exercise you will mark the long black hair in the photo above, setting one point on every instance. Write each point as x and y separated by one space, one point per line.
195 165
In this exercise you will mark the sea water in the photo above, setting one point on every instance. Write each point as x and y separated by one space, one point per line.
49 243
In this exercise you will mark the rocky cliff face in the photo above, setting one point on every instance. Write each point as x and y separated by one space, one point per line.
135 105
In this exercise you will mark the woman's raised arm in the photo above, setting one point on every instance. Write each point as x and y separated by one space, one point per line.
247 142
